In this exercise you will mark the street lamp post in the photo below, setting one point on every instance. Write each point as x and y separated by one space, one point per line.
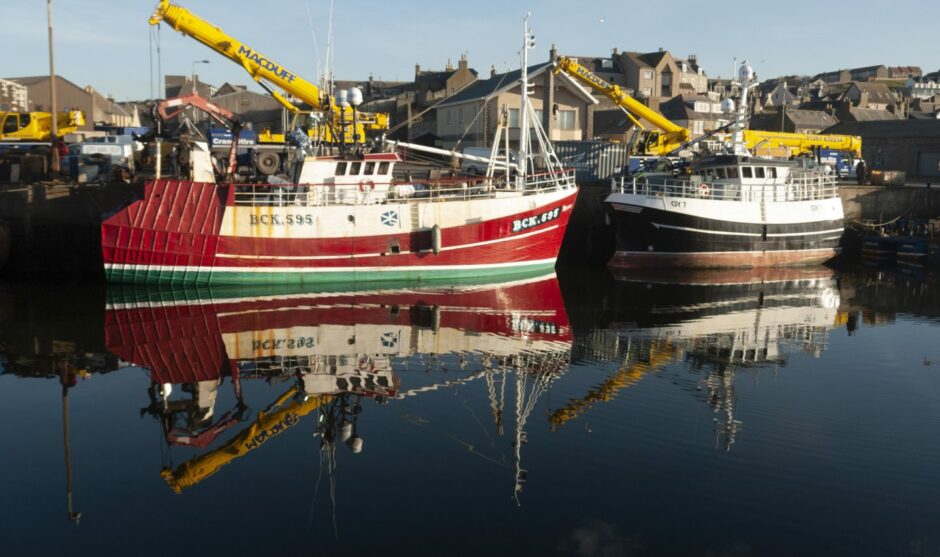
194 71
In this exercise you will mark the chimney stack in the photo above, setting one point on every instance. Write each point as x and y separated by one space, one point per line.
417 69
493 71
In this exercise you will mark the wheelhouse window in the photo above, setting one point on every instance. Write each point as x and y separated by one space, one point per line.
355 169
341 169
383 167
771 172
733 172
758 171
370 168
746 172
720 172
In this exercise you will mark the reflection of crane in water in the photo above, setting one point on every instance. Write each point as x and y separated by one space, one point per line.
634 368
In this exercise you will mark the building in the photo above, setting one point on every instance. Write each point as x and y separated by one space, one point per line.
699 113
13 96
794 120
178 85
257 111
470 117
874 96
432 86
654 76
781 95
922 89
912 146
856 74
904 72
692 77
107 112
68 97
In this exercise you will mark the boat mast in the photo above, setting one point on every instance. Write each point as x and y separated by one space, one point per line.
527 43
746 81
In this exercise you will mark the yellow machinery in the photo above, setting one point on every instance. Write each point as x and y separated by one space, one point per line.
340 124
660 355
37 126
268 425
671 137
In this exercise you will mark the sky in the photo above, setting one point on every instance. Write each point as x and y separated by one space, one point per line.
107 43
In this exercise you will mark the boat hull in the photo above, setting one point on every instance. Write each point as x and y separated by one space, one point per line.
194 233
698 233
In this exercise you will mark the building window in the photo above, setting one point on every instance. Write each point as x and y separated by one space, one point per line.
648 74
566 119
647 92
513 117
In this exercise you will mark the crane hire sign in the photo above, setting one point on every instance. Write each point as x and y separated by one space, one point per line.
265 63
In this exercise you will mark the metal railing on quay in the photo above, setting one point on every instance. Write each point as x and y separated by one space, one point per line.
794 188
367 192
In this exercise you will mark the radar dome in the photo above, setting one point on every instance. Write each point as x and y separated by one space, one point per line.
342 98
355 96
727 106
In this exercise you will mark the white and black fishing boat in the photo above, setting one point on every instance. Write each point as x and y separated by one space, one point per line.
732 210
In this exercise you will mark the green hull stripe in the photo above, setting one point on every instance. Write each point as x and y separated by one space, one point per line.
344 280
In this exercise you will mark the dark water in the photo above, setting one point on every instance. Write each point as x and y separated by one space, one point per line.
692 415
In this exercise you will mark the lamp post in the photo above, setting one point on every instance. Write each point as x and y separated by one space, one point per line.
52 99
194 71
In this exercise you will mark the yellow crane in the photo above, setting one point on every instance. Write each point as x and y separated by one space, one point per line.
269 424
660 355
37 126
343 124
670 136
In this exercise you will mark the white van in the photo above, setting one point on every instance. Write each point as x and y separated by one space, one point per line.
120 148
479 167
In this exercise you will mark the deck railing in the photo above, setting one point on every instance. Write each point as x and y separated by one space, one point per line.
796 187
369 193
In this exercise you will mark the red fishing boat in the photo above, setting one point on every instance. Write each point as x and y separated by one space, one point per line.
346 218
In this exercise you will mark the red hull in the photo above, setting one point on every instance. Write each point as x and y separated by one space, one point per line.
183 343
176 227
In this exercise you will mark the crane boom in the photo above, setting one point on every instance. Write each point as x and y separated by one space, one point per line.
269 74
674 136
259 67
268 425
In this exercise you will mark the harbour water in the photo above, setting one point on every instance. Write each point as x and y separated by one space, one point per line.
786 413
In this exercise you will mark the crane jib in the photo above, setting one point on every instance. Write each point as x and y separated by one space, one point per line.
266 63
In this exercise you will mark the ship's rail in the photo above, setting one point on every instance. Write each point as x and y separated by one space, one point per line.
369 193
796 187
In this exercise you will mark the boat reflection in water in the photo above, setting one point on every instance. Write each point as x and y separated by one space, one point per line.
333 351
716 323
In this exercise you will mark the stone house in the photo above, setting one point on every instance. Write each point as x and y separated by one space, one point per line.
654 76
699 113
470 117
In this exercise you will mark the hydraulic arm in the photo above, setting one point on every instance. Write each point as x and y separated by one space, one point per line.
269 424
269 74
670 137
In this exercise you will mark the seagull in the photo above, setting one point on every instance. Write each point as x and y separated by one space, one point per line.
601 20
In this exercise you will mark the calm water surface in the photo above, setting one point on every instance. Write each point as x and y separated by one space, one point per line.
708 414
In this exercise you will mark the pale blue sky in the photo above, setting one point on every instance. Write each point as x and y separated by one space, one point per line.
105 43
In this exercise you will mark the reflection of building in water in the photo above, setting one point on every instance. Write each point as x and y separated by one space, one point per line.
715 327
333 351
